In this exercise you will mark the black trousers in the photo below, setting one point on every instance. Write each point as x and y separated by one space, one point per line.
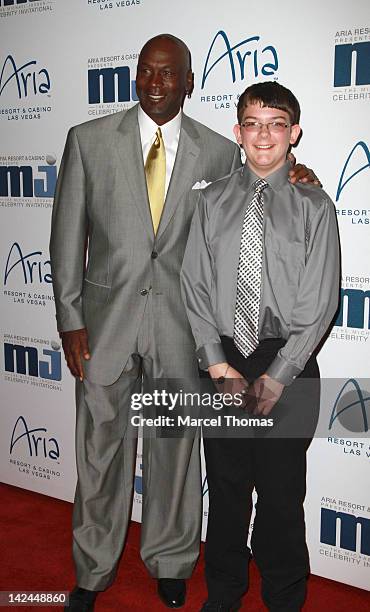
276 468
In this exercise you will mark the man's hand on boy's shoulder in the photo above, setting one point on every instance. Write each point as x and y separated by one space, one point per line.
300 173
262 395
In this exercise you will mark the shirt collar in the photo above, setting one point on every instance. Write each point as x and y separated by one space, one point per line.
148 127
276 180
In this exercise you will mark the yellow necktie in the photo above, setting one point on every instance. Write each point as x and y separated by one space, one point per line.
155 172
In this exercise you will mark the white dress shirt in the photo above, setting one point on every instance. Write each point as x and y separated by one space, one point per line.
170 134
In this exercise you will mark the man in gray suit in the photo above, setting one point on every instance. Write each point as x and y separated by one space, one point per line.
122 321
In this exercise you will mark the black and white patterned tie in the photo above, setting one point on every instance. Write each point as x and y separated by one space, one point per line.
248 289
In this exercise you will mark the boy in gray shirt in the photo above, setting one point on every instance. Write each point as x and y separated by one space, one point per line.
260 282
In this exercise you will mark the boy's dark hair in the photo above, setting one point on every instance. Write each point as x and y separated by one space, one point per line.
273 95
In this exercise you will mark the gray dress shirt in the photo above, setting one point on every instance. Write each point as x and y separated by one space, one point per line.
300 267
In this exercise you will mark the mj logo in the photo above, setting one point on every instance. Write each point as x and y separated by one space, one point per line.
352 60
26 360
13 2
334 524
352 311
114 83
138 482
20 181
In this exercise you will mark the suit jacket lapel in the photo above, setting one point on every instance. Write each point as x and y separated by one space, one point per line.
129 149
183 174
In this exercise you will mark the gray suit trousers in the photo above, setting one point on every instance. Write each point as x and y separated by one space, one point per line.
106 457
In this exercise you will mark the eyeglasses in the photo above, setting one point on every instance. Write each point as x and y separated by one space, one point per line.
275 127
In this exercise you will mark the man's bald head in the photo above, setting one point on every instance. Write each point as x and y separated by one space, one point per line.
175 41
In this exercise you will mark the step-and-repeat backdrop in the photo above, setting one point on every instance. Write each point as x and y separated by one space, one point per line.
63 62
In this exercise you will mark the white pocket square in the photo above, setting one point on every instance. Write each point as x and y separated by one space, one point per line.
200 185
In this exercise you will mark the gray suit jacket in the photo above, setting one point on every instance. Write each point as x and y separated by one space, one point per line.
101 204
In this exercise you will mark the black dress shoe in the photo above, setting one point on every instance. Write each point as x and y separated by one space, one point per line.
216 606
81 600
172 591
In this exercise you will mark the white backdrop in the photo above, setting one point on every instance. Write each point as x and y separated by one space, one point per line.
49 51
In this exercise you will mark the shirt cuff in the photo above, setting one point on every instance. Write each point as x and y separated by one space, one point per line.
283 371
210 354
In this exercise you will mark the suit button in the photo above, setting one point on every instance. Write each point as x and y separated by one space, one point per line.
154 255
144 292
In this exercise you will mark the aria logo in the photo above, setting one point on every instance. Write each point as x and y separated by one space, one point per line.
204 486
346 176
26 80
352 408
35 442
28 268
242 60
